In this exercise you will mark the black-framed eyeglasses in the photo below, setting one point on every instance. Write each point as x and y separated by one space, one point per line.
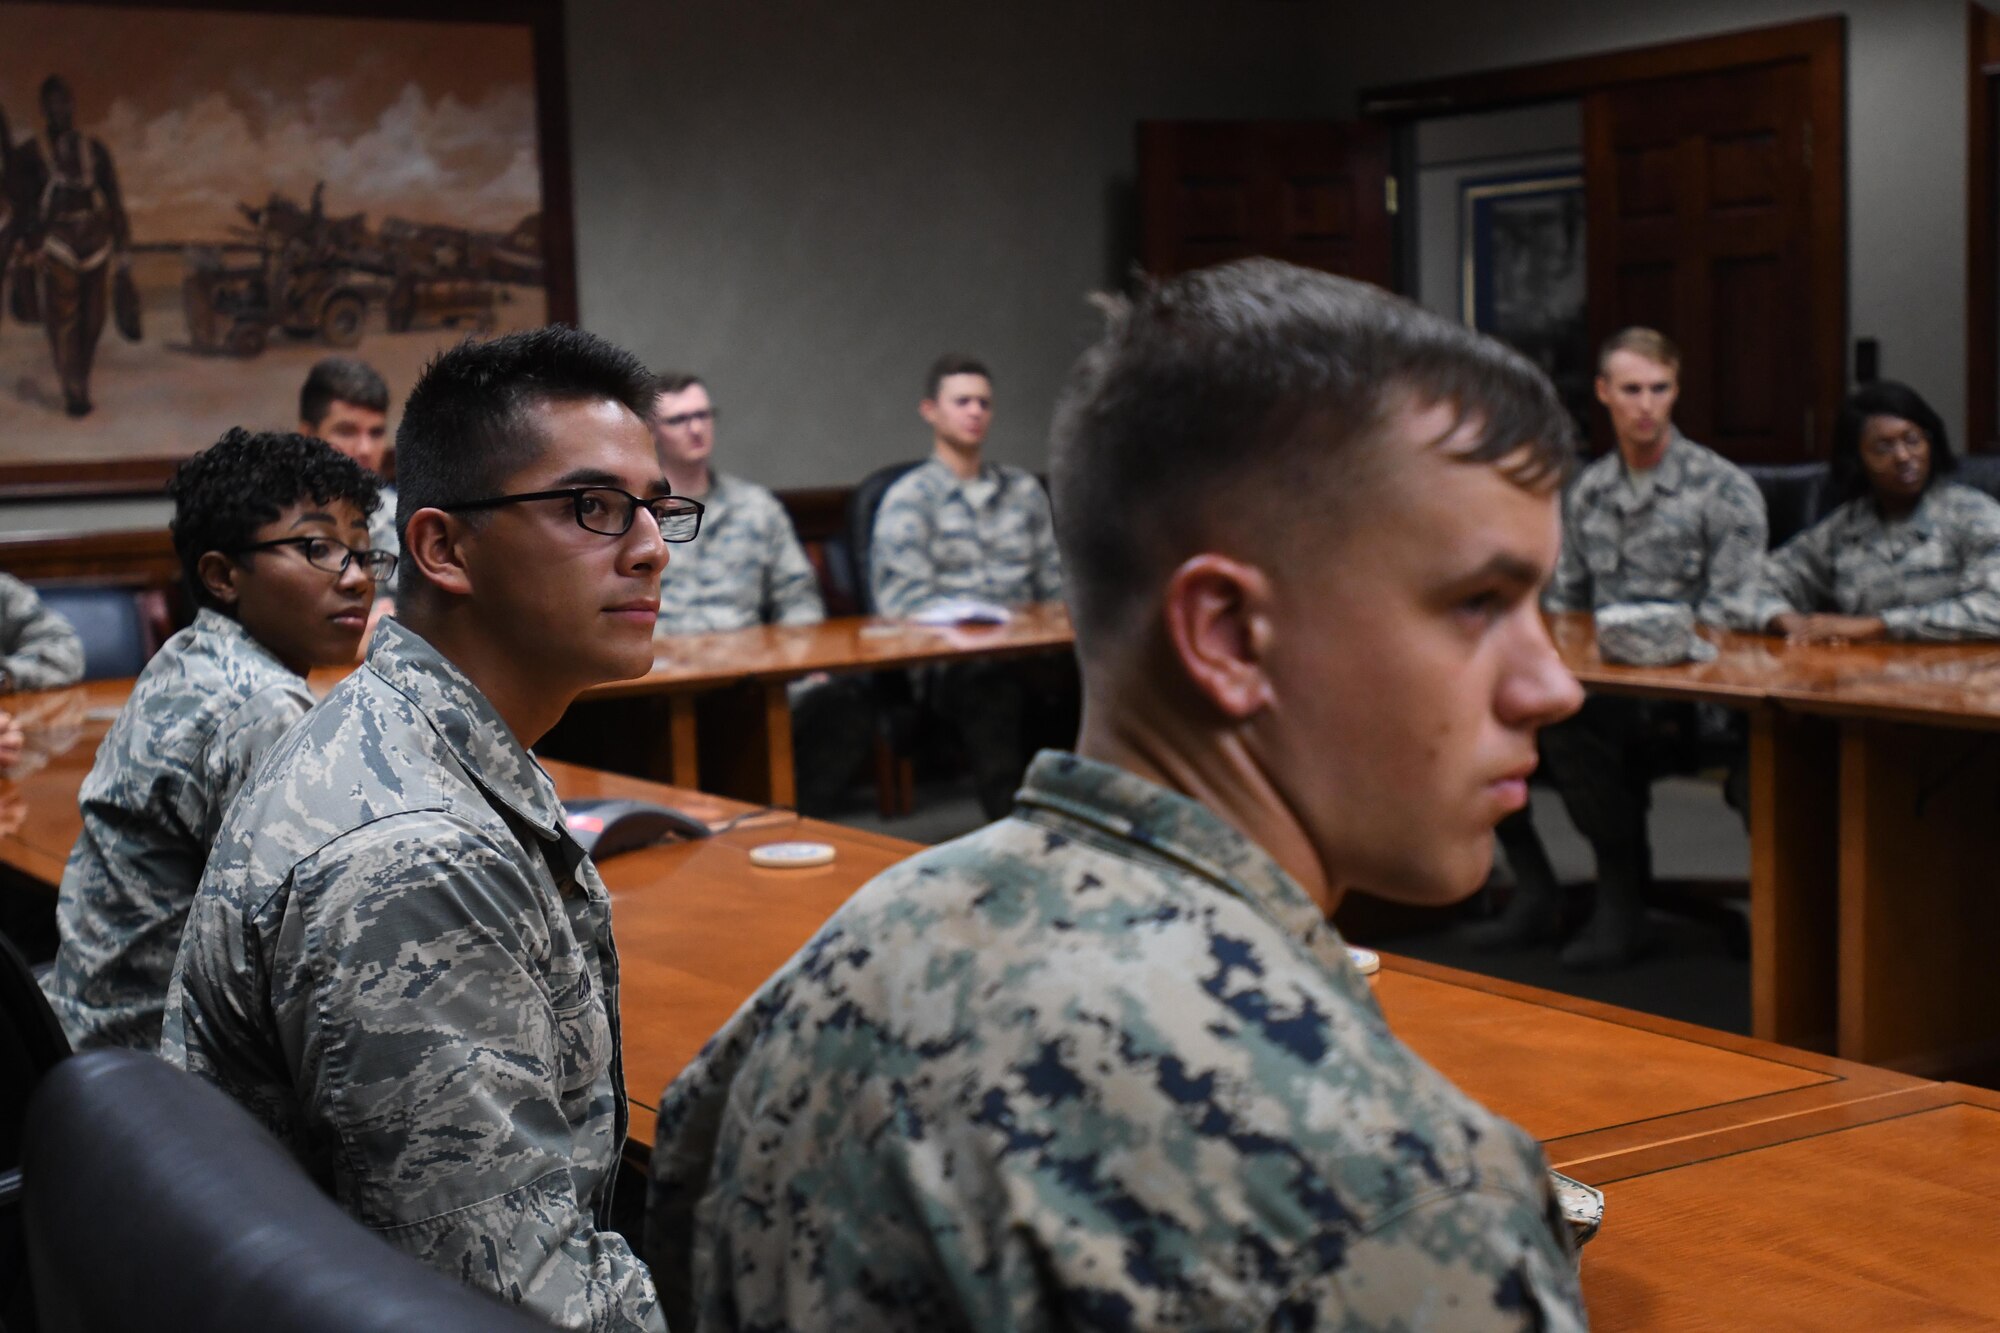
609 511
332 556
706 415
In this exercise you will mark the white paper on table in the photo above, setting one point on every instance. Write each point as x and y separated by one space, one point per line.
962 611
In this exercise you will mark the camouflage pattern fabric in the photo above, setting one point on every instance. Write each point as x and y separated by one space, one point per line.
745 568
1697 537
402 963
1101 1065
204 711
1935 575
39 650
938 537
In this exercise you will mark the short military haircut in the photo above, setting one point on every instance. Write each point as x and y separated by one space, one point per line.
676 381
1883 398
341 379
246 479
469 425
1649 343
952 363
1237 395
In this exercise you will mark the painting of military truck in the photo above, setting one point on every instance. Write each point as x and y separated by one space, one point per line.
302 274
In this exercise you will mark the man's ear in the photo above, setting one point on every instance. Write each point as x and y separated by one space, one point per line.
1218 619
434 542
218 575
1603 387
309 428
928 410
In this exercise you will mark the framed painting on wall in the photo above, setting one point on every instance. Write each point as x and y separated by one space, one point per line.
1523 273
203 199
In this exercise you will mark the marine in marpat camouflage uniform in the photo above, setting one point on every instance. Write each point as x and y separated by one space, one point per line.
272 534
399 958
78 233
1105 1064
39 650
1908 555
958 526
1659 518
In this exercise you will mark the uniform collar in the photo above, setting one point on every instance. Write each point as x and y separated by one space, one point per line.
467 723
1922 518
1668 477
230 631
1177 829
988 471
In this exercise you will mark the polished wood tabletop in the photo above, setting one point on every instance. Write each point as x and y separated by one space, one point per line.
1876 1214
778 653
39 819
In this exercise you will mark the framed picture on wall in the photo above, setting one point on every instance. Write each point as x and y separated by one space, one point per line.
202 200
1523 272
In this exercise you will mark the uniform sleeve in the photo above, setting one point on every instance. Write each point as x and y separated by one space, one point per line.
233 753
38 648
1798 576
1569 588
900 568
791 590
447 1040
1474 1260
1972 612
1737 535
1047 576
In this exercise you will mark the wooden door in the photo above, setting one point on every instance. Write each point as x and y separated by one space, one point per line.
1698 205
1314 193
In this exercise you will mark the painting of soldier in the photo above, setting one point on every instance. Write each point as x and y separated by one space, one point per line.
198 205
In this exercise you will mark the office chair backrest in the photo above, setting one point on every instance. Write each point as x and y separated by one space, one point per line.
108 620
1979 471
1795 496
155 1202
31 1044
861 508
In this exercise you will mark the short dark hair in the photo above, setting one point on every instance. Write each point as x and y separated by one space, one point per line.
1259 374
53 84
1883 398
244 480
1640 341
467 424
676 381
952 363
341 379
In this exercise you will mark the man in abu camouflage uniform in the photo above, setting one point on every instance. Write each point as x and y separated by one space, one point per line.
956 526
1105 1064
272 534
1659 518
399 958
39 650
747 568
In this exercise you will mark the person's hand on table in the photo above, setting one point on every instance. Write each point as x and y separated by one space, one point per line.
1829 628
12 739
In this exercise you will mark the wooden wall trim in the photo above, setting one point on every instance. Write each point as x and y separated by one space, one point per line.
1578 75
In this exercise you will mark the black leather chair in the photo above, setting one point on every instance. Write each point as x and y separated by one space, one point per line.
862 505
1795 496
31 1044
896 709
155 1202
1980 471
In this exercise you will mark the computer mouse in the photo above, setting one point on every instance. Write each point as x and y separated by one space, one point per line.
607 826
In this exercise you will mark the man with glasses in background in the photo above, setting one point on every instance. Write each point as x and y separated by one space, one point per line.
272 535
399 958
747 568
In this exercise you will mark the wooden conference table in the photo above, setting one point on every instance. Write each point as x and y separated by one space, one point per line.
762 662
1874 836
1746 1183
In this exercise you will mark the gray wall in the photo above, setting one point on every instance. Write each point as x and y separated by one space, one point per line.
808 202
